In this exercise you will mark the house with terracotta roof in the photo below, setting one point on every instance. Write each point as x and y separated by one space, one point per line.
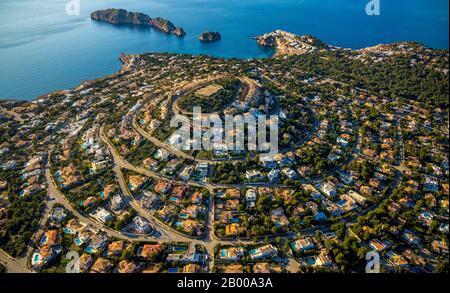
127 267
116 248
97 243
192 268
261 268
150 163
262 252
102 266
377 245
50 237
152 268
163 187
136 182
179 191
148 250
232 193
323 259
231 253
45 255
85 262
232 229
108 191
233 269
397 261
74 226
196 197
303 245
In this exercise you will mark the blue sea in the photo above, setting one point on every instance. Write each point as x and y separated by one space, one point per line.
43 49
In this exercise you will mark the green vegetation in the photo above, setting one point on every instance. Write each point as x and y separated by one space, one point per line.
23 218
394 78
213 103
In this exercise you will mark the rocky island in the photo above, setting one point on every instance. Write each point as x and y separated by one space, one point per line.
210 37
123 17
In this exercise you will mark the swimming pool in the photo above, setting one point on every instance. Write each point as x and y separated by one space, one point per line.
89 249
78 241
341 202
36 258
223 253
44 239
310 261
183 216
179 248
67 231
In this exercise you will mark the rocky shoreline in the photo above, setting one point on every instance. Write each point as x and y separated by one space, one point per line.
286 43
123 17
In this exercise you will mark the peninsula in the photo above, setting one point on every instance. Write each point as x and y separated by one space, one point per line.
123 17
287 43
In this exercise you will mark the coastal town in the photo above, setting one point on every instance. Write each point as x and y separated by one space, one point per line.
362 165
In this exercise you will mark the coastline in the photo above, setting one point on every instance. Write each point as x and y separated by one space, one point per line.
278 50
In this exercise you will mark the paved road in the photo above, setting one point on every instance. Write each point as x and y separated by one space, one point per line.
13 265
60 198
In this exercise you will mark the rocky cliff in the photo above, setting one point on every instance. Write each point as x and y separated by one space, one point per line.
121 16
167 26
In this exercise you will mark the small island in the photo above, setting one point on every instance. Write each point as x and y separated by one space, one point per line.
123 17
210 37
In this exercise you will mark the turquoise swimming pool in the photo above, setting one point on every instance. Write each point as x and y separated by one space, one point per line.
89 249
310 261
179 248
36 258
44 239
67 231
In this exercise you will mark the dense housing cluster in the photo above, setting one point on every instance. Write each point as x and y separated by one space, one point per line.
362 165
